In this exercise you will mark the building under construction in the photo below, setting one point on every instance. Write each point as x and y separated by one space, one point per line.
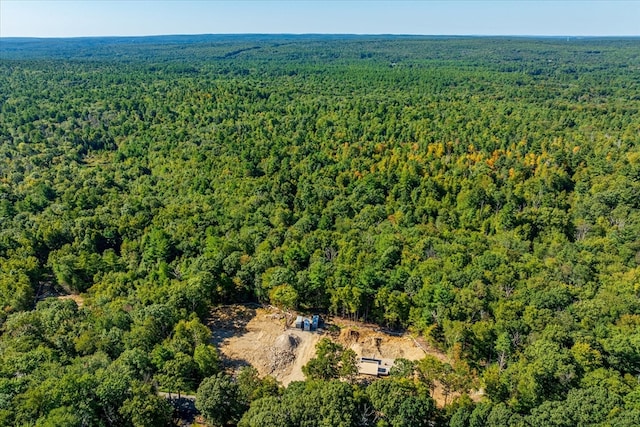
375 367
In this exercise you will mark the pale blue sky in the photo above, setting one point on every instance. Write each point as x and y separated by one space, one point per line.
74 18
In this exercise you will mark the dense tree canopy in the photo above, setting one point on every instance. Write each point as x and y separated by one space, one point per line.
483 193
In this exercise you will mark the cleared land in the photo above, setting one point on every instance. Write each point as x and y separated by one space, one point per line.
259 337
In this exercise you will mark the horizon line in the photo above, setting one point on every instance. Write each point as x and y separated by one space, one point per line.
321 34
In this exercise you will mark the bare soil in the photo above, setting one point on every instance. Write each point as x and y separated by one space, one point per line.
369 340
260 337
48 290
77 298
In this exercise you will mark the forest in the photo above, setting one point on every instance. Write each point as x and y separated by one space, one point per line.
481 193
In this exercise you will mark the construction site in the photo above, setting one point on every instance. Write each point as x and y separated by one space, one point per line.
270 340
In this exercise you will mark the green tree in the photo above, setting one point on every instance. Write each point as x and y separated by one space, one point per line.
252 387
207 359
284 297
332 361
145 408
400 402
219 400
60 417
305 404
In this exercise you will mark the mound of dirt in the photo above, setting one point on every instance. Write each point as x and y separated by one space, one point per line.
283 353
370 342
286 342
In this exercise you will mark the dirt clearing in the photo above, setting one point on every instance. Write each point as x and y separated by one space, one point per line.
77 298
257 336
370 341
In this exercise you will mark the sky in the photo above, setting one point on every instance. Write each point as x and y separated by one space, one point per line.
80 18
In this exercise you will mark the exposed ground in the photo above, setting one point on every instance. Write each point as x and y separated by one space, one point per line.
47 289
258 337
369 340
251 335
77 298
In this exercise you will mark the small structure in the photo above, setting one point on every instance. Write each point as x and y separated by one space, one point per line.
375 367
307 324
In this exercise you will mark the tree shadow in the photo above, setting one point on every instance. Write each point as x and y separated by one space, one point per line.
229 320
184 411
234 364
